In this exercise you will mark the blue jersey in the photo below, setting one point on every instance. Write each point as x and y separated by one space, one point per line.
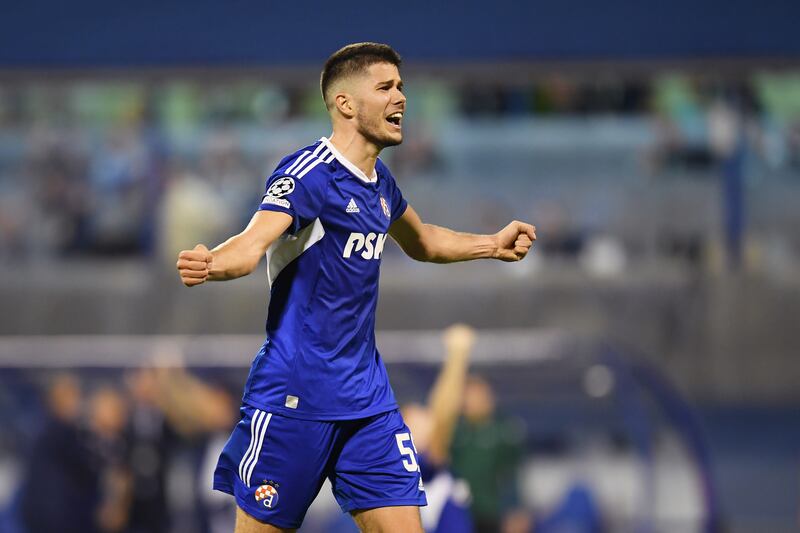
320 361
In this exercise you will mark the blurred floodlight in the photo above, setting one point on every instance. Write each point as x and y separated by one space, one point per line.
598 381
604 257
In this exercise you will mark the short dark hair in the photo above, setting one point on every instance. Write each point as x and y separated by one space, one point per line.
354 59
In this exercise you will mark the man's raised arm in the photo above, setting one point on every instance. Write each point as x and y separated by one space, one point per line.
435 244
236 257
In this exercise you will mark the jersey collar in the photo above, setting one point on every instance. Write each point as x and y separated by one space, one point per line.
354 170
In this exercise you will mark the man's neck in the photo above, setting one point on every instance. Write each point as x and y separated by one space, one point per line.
356 149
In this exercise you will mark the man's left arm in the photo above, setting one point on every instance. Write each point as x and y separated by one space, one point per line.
435 244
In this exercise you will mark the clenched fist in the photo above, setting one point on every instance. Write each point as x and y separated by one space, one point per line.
194 265
514 241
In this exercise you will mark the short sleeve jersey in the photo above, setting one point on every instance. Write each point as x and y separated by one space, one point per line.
320 361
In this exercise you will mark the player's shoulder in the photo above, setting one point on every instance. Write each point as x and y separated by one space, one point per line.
310 163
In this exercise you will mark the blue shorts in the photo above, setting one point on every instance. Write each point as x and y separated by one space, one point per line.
275 465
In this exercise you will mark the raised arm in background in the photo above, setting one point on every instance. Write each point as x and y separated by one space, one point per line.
444 401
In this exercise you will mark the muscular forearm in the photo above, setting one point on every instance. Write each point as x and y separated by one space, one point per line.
443 245
435 244
234 258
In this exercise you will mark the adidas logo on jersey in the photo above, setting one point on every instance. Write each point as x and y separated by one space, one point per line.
352 207
370 245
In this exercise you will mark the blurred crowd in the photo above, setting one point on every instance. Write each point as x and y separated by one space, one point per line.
101 456
134 454
129 168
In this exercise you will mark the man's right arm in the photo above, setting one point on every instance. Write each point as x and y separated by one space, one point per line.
236 257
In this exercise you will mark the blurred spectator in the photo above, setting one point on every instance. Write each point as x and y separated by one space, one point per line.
107 420
111 476
151 440
62 487
237 187
118 174
87 174
170 407
432 426
60 192
486 453
190 213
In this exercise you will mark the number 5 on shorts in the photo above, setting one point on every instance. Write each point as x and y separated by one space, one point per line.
410 464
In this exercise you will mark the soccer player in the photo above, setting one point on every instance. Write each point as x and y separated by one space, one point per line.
317 402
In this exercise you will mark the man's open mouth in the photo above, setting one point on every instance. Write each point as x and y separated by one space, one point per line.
395 118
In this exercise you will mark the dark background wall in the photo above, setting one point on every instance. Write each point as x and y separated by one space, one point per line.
92 33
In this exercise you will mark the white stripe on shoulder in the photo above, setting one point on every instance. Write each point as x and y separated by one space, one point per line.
310 159
298 160
307 160
309 167
258 449
319 148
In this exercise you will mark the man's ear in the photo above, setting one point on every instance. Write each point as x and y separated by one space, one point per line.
344 103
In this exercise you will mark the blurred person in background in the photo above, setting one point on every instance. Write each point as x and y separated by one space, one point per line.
190 211
486 453
118 171
76 480
61 489
169 406
433 425
151 439
108 412
201 410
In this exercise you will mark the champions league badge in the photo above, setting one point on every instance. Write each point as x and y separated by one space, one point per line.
385 207
281 187
268 494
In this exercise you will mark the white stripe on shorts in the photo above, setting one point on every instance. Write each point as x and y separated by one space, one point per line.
255 425
249 471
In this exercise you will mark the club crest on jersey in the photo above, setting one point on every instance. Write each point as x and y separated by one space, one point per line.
267 494
385 207
281 187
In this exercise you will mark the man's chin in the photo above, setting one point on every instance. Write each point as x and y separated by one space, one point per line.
384 139
393 139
